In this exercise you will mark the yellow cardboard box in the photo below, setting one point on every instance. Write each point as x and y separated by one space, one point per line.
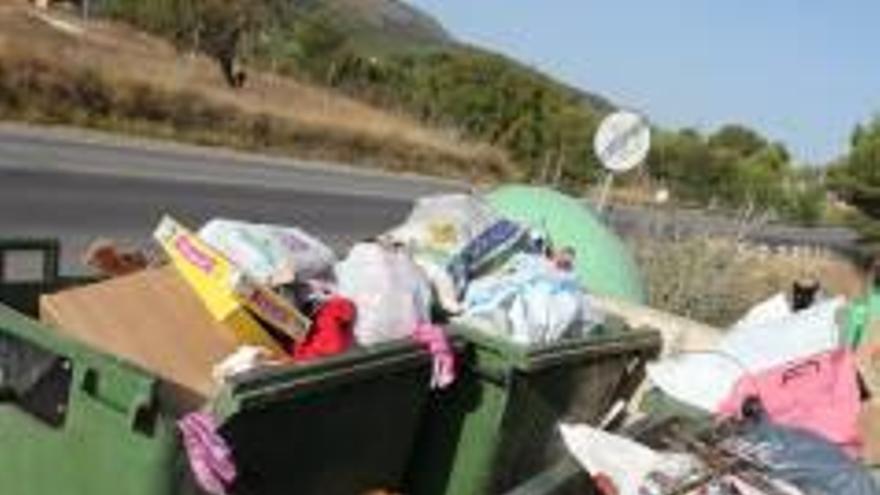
229 295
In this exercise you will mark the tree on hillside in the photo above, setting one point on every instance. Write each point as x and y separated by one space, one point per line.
857 177
734 167
683 162
738 139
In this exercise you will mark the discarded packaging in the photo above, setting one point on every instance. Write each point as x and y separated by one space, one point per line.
704 380
270 255
151 318
530 302
229 294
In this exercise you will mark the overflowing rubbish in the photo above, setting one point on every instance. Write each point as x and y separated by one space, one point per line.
818 393
152 319
434 339
331 332
801 458
682 463
271 255
624 462
603 264
257 318
705 379
780 403
530 301
228 292
440 226
391 293
209 456
490 247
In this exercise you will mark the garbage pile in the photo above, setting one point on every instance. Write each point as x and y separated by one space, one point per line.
454 259
233 299
780 403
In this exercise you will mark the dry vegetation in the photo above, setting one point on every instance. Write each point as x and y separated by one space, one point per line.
112 77
717 279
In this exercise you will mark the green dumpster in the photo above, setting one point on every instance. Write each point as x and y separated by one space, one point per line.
78 421
496 426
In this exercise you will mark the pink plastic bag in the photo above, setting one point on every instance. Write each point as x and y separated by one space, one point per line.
434 339
819 393
209 456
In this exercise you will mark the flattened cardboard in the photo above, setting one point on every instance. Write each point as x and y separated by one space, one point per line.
151 318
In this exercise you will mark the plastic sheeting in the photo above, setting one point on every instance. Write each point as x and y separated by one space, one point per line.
704 380
805 460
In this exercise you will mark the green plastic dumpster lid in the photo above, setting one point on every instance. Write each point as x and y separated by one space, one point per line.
604 264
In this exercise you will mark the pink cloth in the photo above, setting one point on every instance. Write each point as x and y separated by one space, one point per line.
209 457
434 339
819 393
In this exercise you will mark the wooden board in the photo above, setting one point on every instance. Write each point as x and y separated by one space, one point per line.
151 318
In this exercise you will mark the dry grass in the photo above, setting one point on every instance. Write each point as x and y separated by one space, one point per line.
277 113
716 280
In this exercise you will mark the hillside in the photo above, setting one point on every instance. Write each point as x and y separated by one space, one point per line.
381 23
384 54
109 76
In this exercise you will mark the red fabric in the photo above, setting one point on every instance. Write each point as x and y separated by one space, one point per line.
330 333
819 393
604 484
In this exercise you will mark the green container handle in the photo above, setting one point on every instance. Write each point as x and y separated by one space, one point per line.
135 402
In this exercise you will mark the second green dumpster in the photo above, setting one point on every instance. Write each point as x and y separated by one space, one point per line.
496 427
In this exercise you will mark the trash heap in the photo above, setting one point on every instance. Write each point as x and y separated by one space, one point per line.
454 260
233 299
780 403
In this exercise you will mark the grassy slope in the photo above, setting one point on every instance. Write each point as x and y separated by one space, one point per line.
392 56
113 77
391 24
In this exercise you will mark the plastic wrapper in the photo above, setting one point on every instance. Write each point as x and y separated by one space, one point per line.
271 255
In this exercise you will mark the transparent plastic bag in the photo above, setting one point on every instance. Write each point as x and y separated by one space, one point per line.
390 291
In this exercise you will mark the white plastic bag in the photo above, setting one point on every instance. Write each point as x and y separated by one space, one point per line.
774 308
391 293
272 255
633 468
704 380
441 225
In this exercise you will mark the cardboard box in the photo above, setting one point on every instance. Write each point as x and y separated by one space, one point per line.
152 319
226 291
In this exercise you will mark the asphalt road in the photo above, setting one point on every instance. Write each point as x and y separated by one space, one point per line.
77 186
